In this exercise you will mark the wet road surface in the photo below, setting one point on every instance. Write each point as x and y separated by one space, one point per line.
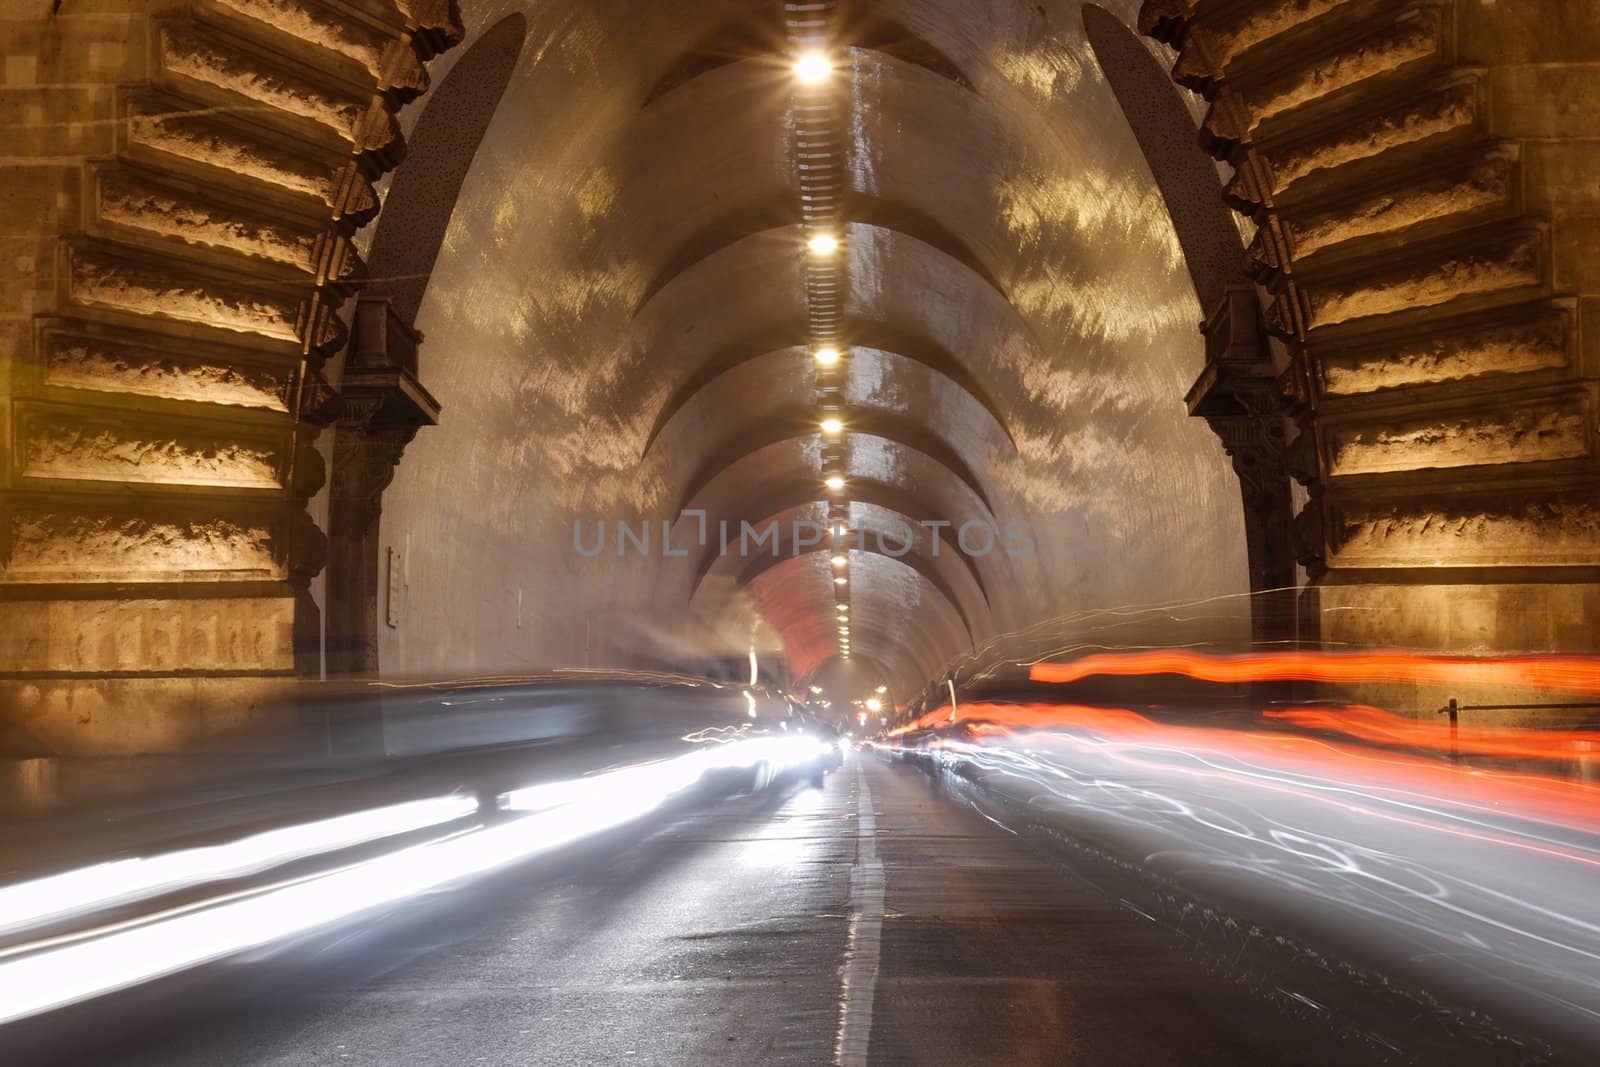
876 920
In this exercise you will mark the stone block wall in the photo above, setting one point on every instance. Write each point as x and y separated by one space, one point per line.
180 181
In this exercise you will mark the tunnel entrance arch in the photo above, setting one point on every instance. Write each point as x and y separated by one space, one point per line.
1237 392
382 402
1411 313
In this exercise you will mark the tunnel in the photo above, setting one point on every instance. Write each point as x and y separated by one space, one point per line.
369 365
1099 326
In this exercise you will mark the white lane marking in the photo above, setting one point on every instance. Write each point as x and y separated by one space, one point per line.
860 973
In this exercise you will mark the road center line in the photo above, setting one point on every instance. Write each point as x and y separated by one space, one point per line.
860 971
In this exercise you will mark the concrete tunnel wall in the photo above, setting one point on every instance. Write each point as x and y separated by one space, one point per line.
564 316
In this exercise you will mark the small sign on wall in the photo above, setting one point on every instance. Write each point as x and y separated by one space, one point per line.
392 601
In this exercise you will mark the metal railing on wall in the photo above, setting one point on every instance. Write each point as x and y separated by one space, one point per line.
1454 709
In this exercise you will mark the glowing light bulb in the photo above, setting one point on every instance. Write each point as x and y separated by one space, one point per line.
823 244
827 356
833 481
831 425
874 704
838 581
812 68
838 561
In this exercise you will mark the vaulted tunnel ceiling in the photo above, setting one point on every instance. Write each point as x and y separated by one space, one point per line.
627 293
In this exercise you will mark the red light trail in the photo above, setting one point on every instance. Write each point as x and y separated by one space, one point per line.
1570 674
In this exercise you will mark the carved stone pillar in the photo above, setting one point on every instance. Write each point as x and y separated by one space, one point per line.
1240 396
1422 214
379 408
181 211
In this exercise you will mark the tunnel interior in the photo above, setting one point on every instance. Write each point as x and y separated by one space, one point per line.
805 531
745 338
623 327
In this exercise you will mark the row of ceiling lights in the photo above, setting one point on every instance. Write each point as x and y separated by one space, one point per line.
812 69
828 356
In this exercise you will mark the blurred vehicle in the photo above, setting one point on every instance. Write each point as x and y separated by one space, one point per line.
830 754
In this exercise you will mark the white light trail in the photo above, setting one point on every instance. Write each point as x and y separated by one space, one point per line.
560 813
1370 856
105 885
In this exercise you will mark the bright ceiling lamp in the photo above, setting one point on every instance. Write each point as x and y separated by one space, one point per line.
838 561
838 581
823 244
833 481
812 68
874 704
827 356
831 425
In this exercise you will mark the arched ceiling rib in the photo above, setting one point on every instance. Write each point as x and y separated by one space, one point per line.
721 144
768 399
759 40
889 614
736 305
876 377
874 506
911 560
757 37
802 530
862 425
927 611
878 469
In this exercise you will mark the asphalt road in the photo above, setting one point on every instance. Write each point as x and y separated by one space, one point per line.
877 920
